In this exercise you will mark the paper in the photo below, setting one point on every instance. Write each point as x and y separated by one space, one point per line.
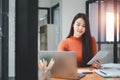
108 72
111 65
84 71
99 56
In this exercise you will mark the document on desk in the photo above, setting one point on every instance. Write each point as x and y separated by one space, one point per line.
111 65
99 56
108 73
84 71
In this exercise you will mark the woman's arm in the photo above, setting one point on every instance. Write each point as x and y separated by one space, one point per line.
97 63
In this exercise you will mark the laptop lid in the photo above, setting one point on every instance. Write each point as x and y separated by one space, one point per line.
65 65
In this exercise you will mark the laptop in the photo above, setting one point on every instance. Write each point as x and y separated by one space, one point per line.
65 65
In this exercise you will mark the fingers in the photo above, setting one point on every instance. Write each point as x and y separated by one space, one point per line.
96 64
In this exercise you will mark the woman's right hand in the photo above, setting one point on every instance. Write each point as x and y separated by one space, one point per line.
96 64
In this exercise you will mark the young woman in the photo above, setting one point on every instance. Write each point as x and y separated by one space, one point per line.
80 40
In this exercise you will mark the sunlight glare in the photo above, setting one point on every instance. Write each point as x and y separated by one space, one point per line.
110 26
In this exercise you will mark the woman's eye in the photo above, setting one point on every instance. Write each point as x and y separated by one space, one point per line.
83 26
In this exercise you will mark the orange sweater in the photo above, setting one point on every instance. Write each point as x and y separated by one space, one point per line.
75 44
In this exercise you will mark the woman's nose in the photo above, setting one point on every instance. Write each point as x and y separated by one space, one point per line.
80 27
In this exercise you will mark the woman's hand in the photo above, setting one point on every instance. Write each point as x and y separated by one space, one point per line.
96 64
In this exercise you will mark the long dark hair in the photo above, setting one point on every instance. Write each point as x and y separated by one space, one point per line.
86 38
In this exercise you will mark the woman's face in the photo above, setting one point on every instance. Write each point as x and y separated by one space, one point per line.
79 27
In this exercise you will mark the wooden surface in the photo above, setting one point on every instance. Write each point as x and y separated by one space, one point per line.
91 76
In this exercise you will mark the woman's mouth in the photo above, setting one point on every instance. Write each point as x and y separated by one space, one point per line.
80 31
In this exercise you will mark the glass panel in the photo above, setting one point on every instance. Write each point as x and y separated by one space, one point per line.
11 57
42 29
3 40
0 48
109 47
118 51
0 39
42 17
118 25
48 33
106 27
56 23
107 20
93 11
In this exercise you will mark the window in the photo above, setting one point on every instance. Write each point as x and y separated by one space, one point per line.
105 25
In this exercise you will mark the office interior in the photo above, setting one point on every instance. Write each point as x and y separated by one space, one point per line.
23 23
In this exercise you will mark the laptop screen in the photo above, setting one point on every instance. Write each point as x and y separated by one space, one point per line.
65 65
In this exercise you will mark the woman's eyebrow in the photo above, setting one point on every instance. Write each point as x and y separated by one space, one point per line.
78 22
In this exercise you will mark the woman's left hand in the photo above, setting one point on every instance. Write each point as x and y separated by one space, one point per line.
96 64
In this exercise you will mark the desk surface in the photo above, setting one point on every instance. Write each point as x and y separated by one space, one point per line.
91 76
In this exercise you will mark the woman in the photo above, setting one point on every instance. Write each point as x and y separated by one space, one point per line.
80 40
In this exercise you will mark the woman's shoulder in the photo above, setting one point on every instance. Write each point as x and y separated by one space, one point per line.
65 40
93 39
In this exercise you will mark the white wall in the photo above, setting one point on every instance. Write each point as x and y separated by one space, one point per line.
44 3
53 2
47 3
68 11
